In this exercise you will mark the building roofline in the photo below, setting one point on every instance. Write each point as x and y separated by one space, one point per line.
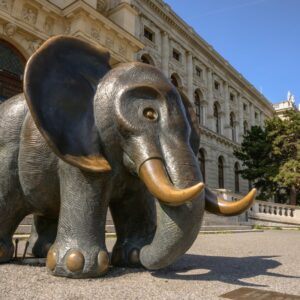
189 33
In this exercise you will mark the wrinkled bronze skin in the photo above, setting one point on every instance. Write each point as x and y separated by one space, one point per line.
84 138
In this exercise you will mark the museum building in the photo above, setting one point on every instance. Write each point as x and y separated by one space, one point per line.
226 104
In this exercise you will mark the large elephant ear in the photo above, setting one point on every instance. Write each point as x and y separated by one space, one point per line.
192 118
60 83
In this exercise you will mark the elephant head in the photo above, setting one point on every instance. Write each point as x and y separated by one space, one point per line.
127 121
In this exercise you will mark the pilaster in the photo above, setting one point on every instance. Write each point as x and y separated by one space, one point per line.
165 53
251 113
241 118
226 122
210 100
189 59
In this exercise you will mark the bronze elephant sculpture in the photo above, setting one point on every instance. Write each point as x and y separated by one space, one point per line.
86 138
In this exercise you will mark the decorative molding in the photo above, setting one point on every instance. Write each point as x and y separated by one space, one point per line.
219 138
33 45
67 27
48 25
102 6
5 5
167 15
10 29
29 14
109 42
95 33
123 50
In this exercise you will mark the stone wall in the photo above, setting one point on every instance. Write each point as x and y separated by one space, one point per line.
149 30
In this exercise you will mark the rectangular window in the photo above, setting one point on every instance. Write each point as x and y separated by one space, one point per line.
232 97
217 85
198 72
176 55
256 115
148 34
245 106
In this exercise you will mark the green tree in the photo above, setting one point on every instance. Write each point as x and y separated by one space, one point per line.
285 137
271 158
259 166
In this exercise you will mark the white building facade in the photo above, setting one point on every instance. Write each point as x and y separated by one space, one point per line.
146 30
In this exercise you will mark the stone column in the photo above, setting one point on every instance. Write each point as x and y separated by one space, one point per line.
251 113
210 100
165 53
241 118
189 70
262 119
226 121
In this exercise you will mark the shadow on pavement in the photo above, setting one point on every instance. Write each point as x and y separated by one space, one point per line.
199 268
219 268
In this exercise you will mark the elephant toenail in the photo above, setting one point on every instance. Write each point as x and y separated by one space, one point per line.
75 261
134 256
51 259
103 262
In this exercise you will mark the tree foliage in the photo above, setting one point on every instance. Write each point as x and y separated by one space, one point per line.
271 158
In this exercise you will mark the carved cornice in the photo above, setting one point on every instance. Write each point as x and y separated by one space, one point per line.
219 138
37 20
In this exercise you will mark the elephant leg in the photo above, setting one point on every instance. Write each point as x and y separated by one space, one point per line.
43 234
10 220
79 250
135 221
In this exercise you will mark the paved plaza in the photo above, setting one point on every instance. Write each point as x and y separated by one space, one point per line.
216 264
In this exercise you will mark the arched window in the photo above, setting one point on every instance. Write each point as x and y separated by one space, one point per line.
245 125
175 80
217 118
236 177
221 172
201 158
232 126
12 65
146 59
199 106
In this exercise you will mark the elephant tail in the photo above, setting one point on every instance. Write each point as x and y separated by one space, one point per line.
218 206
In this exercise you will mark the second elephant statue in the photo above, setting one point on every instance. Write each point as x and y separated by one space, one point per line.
86 138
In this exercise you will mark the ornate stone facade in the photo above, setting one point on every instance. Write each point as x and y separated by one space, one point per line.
148 30
284 106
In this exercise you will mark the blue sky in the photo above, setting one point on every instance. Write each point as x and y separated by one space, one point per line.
260 38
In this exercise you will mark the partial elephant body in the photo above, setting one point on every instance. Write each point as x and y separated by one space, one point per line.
32 185
92 139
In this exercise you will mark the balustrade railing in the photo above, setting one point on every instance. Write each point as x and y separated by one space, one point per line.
274 212
266 211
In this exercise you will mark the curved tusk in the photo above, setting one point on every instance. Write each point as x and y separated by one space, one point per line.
153 174
225 208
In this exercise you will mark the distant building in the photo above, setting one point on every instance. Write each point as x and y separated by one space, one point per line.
226 104
282 107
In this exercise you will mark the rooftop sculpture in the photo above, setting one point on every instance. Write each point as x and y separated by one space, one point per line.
84 138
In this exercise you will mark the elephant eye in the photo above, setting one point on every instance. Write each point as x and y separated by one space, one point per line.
150 114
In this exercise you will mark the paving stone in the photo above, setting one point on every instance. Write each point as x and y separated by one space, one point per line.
216 264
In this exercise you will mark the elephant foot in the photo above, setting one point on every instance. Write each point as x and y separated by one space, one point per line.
76 262
126 255
39 250
43 234
6 251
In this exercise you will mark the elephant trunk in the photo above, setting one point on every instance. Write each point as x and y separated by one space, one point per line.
177 226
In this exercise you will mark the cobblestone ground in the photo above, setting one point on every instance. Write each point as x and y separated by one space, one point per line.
216 264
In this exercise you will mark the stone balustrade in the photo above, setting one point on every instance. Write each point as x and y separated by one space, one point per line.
274 212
